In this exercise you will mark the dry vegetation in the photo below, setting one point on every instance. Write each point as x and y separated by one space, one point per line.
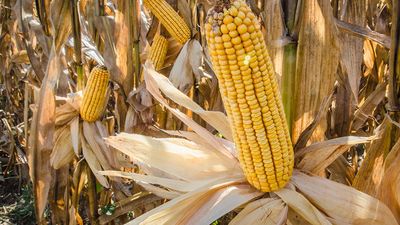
162 150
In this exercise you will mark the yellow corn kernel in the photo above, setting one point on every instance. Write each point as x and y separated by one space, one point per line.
170 19
158 51
94 95
250 95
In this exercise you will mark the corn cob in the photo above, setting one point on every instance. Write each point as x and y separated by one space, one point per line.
170 19
250 94
158 51
94 95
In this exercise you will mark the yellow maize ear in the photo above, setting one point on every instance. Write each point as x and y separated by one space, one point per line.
250 94
158 51
95 94
169 18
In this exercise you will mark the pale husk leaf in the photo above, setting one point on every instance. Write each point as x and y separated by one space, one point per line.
178 185
216 119
343 204
265 211
302 206
92 161
207 136
181 73
175 156
202 206
90 134
62 152
230 146
74 129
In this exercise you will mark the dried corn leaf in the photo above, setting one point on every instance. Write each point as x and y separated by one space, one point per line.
93 163
202 206
222 202
352 47
342 204
20 57
230 146
91 136
317 62
265 211
119 47
62 152
68 111
61 21
154 90
74 130
371 172
181 73
41 136
367 108
160 192
214 118
389 189
303 207
175 184
320 155
162 154
26 23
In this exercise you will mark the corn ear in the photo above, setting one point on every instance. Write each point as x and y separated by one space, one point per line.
94 95
158 51
250 94
169 18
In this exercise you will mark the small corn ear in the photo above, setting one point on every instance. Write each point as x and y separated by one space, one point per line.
158 51
94 95
170 19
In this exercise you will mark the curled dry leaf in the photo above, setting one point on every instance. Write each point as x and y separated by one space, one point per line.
320 155
181 73
367 107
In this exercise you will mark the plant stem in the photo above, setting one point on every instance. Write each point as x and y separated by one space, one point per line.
135 27
291 9
394 61
76 28
288 80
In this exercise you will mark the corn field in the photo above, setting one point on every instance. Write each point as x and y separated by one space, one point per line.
200 112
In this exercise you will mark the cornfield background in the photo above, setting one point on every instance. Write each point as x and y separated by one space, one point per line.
151 158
